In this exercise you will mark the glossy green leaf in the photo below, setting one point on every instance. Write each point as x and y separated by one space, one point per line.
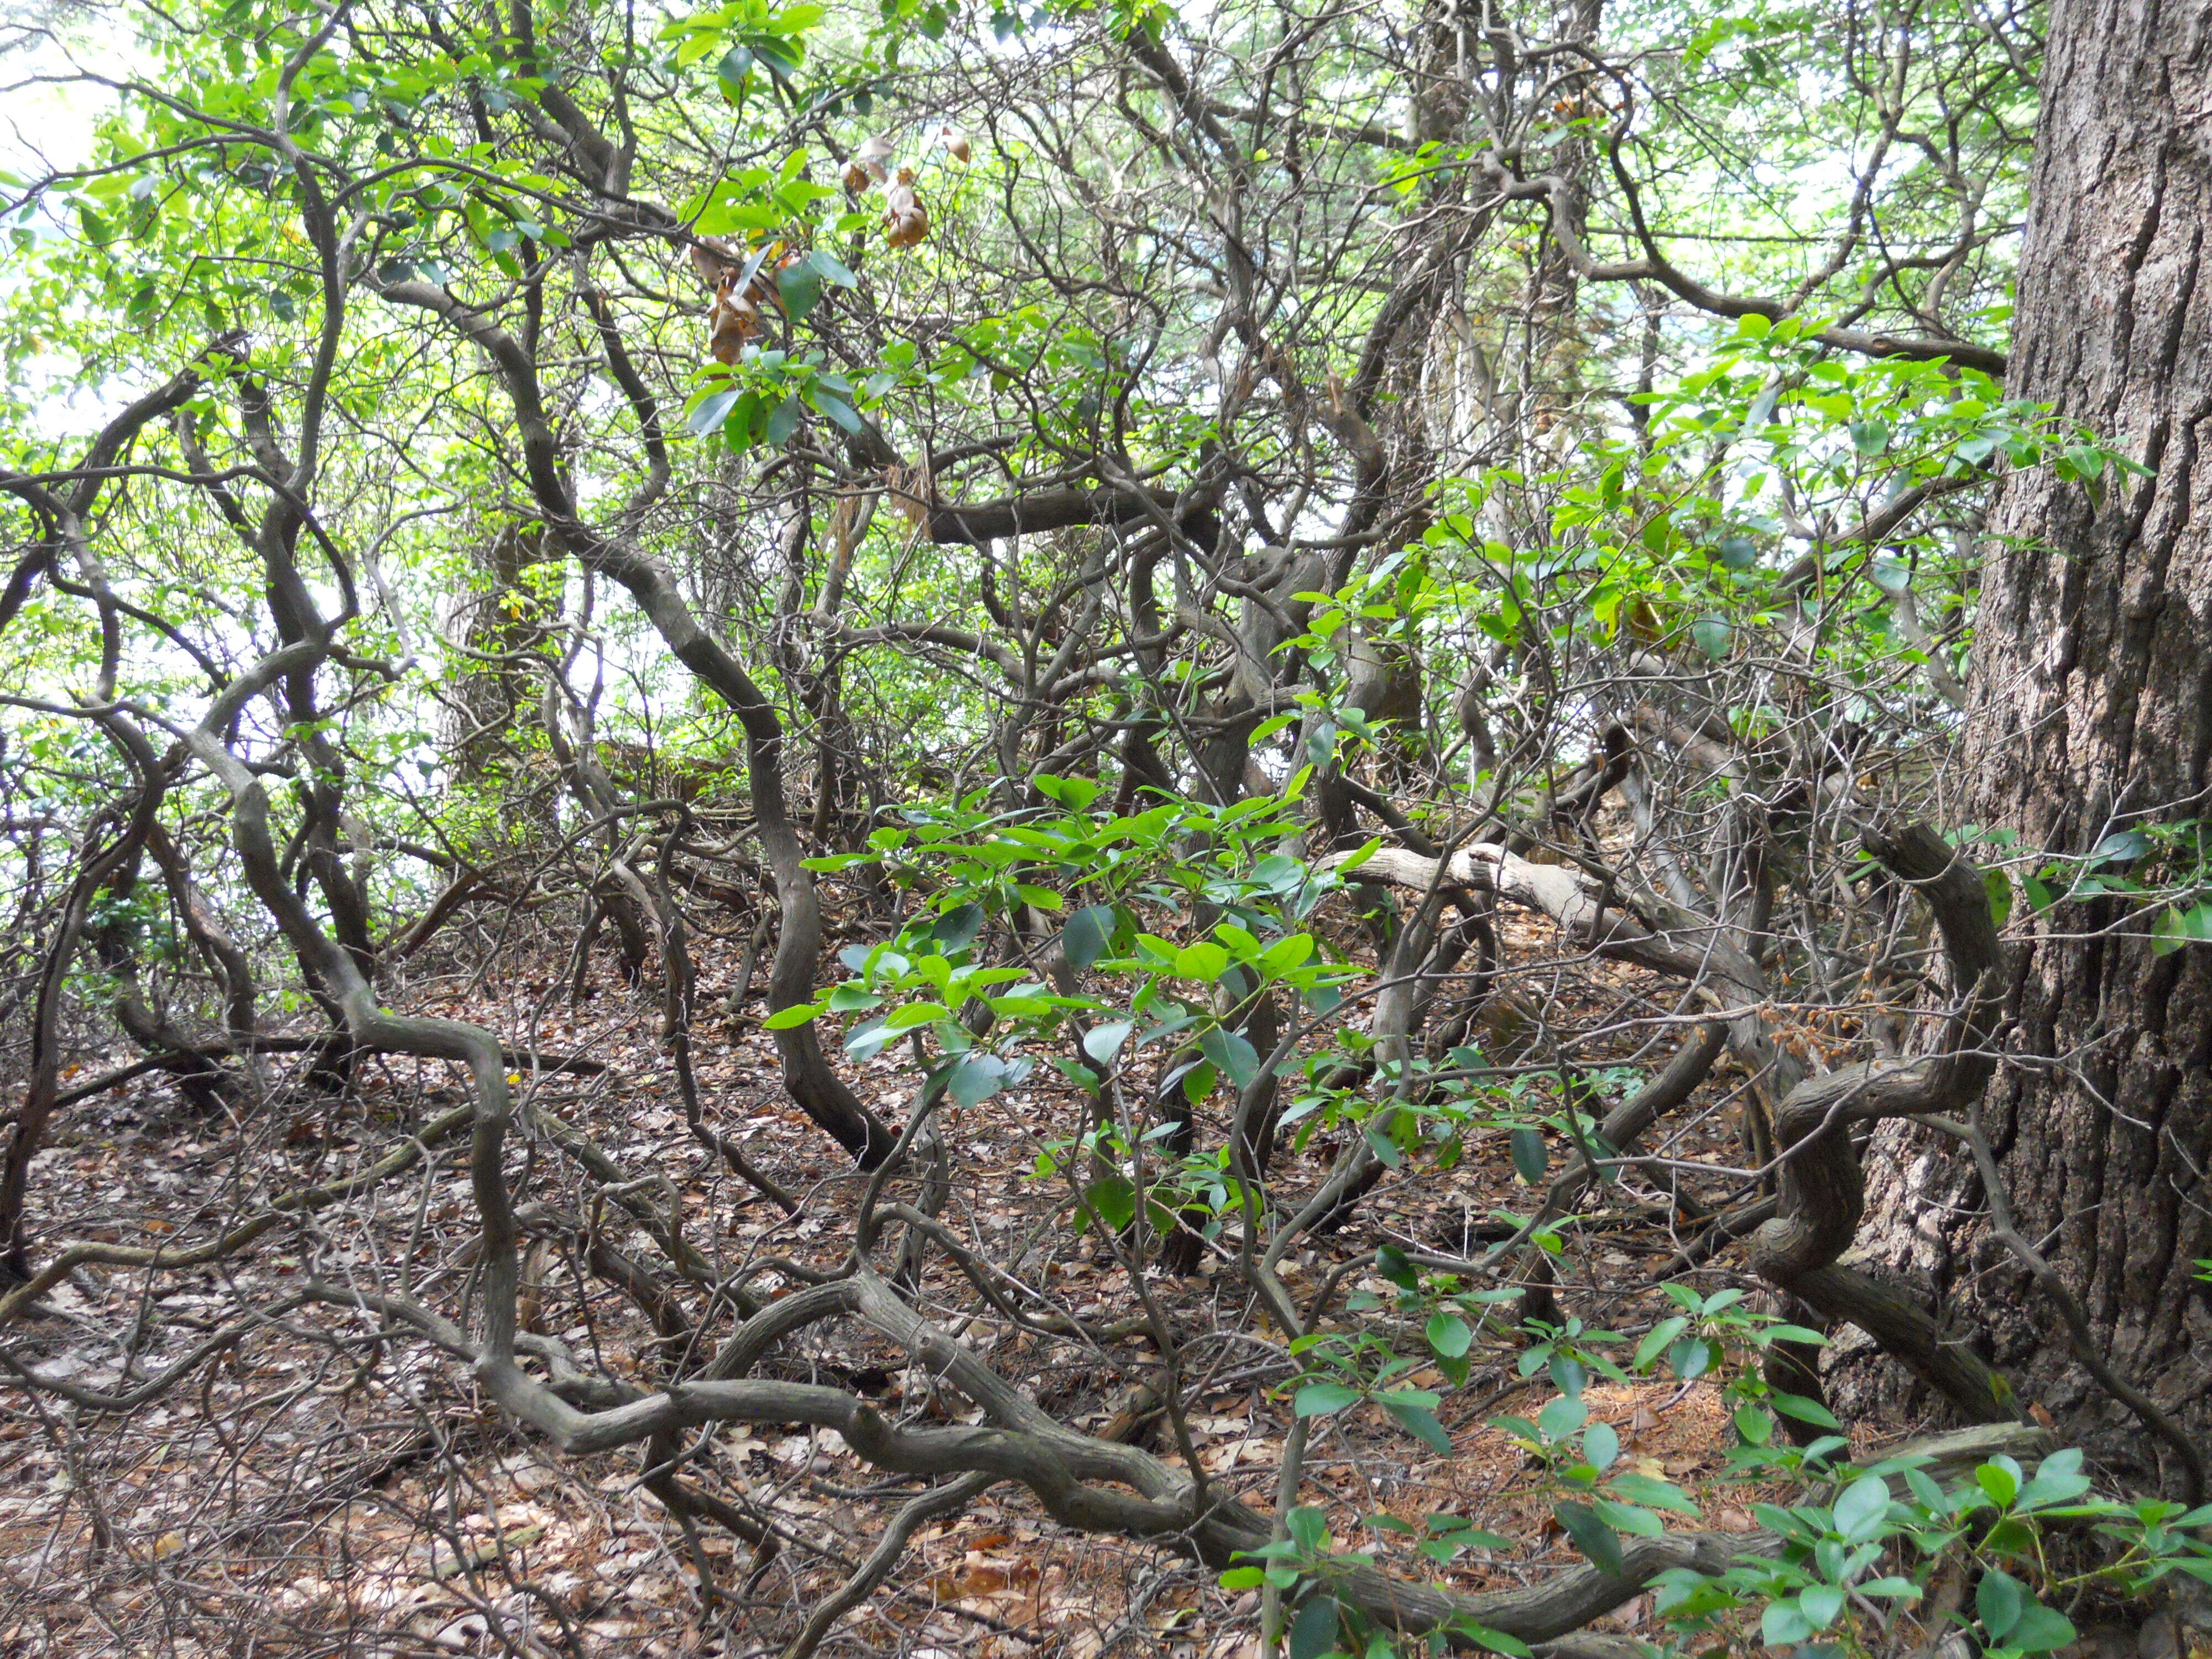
1313 1633
1230 1055
1449 1335
1998 1600
1103 1041
1320 1399
1418 1420
1862 1507
1595 1540
1531 1157
1085 937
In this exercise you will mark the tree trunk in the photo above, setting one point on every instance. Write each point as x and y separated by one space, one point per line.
2093 714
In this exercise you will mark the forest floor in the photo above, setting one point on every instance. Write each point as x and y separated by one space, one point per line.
322 1489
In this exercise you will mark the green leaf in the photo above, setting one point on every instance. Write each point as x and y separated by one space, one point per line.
1198 1082
1531 1157
1891 1589
1308 1528
1313 1633
1418 1420
2176 928
1380 1143
1320 1399
1074 794
1103 1043
830 269
2000 1479
1321 744
1474 1538
869 1038
2000 891
1869 438
1517 1428
1862 1508
956 929
1713 635
1592 1536
1651 1490
1783 1623
1656 1339
2038 1628
1243 1578
711 409
1230 1053
800 287
1804 1333
1998 1599
1562 1415
2058 1480
1495 1641
1821 1604
1088 933
1600 1446
785 1018
737 63
1392 1263
1076 1072
1737 552
1449 1335
2122 847
975 1078
1114 1198
1691 1357
838 410
1203 961
1630 1519
1804 1410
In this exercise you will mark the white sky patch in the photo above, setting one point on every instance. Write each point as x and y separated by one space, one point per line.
49 124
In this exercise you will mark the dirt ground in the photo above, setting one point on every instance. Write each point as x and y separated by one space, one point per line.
324 1487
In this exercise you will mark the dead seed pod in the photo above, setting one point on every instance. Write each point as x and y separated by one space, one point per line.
744 284
906 222
733 319
956 144
710 254
870 166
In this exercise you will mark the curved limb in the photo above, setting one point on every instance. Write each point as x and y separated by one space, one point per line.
1821 1192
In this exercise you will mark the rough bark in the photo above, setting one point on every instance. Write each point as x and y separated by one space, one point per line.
2093 713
